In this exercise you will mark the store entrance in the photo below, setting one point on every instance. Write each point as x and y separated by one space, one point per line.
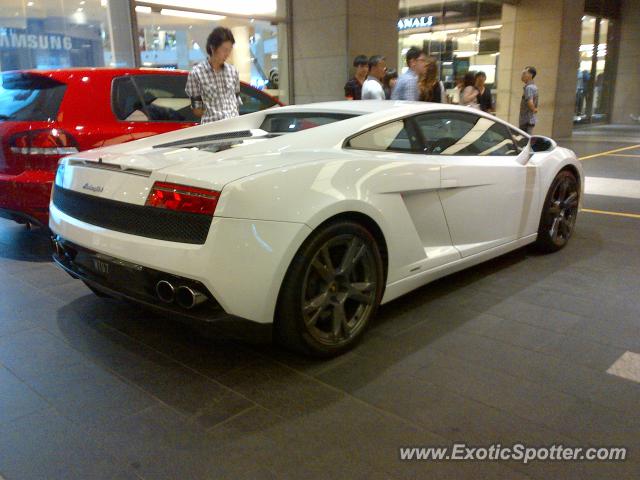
594 72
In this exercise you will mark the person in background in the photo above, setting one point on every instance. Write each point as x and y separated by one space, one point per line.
389 82
484 94
431 88
214 85
529 102
372 87
407 86
469 94
353 87
454 98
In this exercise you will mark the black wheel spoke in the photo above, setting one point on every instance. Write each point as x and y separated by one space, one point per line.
317 303
571 201
563 191
354 252
324 266
553 232
339 327
361 292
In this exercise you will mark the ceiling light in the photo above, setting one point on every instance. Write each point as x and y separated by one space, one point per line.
141 9
184 14
29 4
249 8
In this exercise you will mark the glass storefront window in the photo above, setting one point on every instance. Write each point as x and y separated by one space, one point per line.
44 34
460 35
592 86
170 38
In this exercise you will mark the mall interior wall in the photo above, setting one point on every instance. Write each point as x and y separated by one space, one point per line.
327 35
626 97
545 34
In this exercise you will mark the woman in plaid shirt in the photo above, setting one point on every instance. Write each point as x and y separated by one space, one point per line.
214 85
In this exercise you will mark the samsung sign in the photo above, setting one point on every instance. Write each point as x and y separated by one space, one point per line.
415 22
19 39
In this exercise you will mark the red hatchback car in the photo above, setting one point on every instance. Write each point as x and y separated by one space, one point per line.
45 115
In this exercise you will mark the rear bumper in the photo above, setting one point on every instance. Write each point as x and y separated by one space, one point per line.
241 264
126 280
25 197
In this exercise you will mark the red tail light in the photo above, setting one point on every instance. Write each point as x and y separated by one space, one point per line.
182 198
41 149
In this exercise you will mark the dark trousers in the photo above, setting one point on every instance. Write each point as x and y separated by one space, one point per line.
527 127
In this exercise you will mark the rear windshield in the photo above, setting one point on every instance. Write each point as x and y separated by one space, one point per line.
295 122
28 97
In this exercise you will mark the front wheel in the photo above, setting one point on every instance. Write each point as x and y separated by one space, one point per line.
559 213
331 291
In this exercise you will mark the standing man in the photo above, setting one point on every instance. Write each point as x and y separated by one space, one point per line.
214 85
529 102
372 88
353 88
407 86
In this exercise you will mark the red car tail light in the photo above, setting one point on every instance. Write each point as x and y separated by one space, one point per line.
41 149
182 198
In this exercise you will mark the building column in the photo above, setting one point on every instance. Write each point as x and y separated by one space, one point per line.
626 97
327 35
241 56
546 35
121 34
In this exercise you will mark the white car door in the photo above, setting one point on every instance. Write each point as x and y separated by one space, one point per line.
488 189
413 179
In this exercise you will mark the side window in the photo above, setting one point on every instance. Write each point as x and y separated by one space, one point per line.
125 101
163 99
396 136
520 139
457 133
253 100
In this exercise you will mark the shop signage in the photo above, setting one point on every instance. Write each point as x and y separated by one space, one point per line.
16 39
415 22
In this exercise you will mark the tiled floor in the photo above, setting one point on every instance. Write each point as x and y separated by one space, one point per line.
514 350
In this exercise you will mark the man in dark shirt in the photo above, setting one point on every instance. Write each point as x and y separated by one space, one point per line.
529 102
353 88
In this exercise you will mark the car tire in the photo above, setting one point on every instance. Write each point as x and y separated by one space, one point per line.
559 213
331 291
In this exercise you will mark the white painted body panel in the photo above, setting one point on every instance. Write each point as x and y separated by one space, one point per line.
437 214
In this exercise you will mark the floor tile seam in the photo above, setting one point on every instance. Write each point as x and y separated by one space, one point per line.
548 428
560 390
134 385
179 363
358 400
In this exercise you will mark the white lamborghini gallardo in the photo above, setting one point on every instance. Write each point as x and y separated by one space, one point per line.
309 216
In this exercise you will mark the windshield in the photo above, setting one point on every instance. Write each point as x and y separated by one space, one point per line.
297 121
28 97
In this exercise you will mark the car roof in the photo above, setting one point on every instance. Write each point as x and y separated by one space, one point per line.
100 71
363 107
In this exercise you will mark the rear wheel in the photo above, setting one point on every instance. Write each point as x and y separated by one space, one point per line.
559 213
331 291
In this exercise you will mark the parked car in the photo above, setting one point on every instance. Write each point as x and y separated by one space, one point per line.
309 230
47 114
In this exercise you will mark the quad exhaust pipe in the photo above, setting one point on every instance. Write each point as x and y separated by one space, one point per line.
188 298
184 296
165 291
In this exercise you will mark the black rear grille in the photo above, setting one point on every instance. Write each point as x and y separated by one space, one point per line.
138 220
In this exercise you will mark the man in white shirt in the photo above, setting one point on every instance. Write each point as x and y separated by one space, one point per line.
372 87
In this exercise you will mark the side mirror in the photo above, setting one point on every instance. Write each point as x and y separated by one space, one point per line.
539 143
